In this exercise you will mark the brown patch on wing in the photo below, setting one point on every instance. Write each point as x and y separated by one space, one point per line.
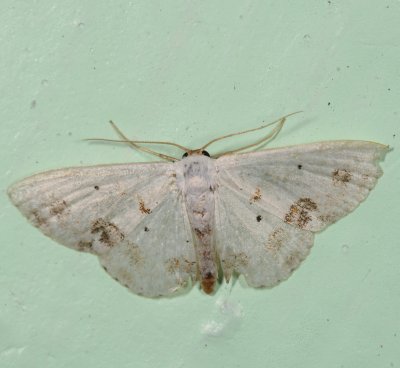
84 246
275 240
256 195
142 207
37 219
293 260
110 234
134 255
299 212
58 207
341 176
174 265
208 283
234 260
365 177
124 277
327 219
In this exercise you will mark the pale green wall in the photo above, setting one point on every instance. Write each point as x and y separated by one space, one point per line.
188 71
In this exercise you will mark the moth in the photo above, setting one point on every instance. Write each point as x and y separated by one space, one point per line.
160 227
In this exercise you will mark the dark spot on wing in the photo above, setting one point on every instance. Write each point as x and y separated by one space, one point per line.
96 187
259 218
299 212
110 234
299 166
146 229
341 176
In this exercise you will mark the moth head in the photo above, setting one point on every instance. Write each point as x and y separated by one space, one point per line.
196 152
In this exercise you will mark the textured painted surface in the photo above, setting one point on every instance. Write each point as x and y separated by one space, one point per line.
187 72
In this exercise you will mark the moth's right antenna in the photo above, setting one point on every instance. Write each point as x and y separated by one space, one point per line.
265 139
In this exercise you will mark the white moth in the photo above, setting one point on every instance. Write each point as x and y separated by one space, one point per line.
159 227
